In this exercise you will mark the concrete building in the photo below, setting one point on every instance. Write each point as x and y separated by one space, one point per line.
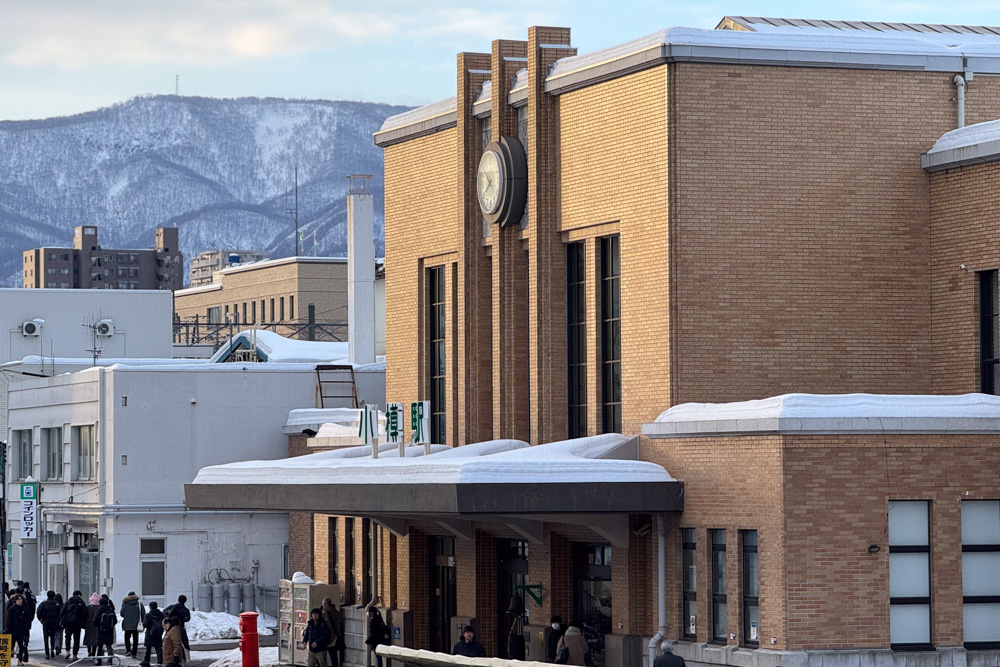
205 265
65 330
297 297
112 449
89 266
778 218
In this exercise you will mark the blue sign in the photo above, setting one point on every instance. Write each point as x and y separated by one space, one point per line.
395 632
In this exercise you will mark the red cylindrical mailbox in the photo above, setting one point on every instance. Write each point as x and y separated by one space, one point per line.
248 639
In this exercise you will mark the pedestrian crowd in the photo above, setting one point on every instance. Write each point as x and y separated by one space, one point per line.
96 619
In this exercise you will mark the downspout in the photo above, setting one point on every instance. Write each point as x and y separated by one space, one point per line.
661 586
959 81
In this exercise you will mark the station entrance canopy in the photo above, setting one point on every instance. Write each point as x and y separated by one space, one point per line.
595 482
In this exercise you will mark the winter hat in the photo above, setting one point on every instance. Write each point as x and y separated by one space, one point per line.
95 598
131 592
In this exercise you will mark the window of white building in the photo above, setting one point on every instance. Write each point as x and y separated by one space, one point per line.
52 442
22 453
83 452
981 573
909 574
153 562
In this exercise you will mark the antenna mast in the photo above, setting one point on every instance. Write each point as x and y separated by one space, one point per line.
295 211
177 85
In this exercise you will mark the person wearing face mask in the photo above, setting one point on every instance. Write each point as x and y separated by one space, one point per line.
552 636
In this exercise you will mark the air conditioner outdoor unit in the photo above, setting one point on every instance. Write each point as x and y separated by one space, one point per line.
105 328
31 327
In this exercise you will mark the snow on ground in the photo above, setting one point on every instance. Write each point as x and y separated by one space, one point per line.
268 656
206 625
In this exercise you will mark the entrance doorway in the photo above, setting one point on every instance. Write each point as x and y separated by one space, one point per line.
592 594
443 597
512 571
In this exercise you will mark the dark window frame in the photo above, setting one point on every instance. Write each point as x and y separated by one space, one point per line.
989 333
981 599
750 552
576 339
437 352
720 582
611 353
916 600
689 584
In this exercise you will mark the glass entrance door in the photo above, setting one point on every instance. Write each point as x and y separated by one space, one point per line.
592 599
87 572
512 571
443 597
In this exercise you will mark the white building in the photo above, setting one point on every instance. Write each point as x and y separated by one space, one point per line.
81 325
112 449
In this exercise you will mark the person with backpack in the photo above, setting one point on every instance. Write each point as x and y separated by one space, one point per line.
73 619
48 613
132 614
316 637
106 620
153 623
181 615
19 627
378 633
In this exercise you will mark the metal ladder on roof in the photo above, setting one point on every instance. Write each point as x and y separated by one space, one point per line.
335 382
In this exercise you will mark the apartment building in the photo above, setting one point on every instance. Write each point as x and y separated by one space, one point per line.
205 265
763 253
89 266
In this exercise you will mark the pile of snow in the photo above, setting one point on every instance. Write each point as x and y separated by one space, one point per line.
209 625
234 658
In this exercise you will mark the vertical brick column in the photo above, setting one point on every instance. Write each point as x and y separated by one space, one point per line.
300 542
509 268
546 256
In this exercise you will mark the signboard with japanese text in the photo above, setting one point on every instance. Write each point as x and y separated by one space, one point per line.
368 424
394 422
29 507
420 421
5 650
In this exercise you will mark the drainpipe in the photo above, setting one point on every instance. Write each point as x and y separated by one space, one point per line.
960 89
661 586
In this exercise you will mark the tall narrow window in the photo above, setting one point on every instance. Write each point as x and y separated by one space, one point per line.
981 573
751 581
52 437
332 558
576 339
689 583
611 332
909 575
272 310
437 353
350 558
83 452
253 311
522 136
281 311
22 444
989 334
719 623
291 306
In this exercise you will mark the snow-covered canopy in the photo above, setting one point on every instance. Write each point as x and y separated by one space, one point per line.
275 348
861 413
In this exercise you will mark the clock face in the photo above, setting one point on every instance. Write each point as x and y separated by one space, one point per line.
490 182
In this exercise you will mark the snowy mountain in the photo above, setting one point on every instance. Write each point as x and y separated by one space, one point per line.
222 170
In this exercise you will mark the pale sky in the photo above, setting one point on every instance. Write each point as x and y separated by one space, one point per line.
60 57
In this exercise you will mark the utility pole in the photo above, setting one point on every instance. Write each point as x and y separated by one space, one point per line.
295 211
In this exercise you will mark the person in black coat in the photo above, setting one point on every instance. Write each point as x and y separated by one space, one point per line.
552 637
316 637
667 658
183 615
19 627
468 645
48 613
73 618
376 633
105 620
153 624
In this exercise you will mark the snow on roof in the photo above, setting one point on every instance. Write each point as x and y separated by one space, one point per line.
486 93
964 137
36 360
833 413
278 349
503 461
420 113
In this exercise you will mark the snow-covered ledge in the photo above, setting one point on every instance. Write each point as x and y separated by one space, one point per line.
832 413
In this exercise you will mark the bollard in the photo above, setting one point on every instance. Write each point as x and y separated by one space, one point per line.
249 647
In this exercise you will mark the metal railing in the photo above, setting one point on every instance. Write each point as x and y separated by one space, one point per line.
199 331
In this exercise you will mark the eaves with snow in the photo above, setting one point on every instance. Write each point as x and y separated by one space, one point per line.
804 414
275 348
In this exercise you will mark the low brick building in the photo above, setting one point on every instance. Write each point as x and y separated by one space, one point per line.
588 244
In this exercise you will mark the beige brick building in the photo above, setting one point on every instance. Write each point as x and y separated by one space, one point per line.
283 295
708 217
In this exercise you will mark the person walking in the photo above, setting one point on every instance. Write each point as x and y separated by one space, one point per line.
376 633
316 637
181 615
468 645
59 634
106 621
90 627
552 637
153 624
173 647
667 658
132 614
74 619
19 627
335 621
48 614
575 646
